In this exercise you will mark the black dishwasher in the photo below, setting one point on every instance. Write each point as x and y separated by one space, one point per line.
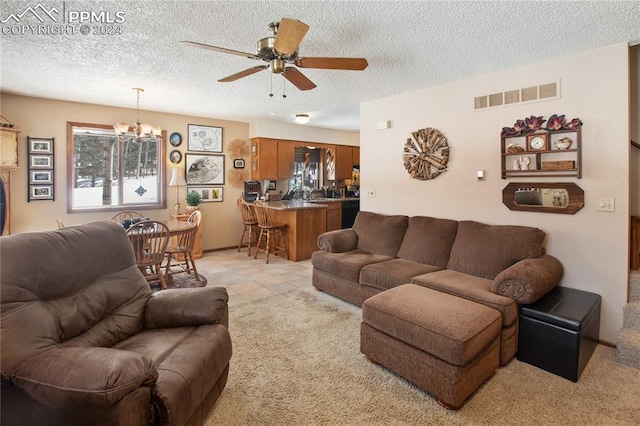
350 209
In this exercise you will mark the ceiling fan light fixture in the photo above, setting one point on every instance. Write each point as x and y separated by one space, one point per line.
302 118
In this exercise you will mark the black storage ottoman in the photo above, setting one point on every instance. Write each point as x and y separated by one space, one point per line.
560 331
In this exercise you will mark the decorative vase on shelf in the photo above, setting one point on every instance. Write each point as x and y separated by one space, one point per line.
563 143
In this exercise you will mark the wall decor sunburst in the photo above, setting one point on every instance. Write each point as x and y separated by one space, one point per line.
237 177
427 154
238 148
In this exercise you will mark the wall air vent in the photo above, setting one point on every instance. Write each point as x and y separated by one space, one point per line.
540 92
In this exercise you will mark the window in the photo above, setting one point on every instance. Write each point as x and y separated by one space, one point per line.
108 173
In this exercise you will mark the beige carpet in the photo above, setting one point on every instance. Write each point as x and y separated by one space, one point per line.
297 361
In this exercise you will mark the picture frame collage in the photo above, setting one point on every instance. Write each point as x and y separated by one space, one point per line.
40 170
204 162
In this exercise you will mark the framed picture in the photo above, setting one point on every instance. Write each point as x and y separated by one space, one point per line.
175 139
238 163
204 138
41 192
40 172
40 146
40 176
208 194
204 169
175 156
271 185
41 161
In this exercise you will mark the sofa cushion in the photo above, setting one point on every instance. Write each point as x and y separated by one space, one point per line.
428 240
486 250
392 273
380 234
345 265
187 358
470 287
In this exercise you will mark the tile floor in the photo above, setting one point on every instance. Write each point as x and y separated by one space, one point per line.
246 278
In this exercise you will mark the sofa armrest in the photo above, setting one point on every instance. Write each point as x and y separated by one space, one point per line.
82 377
338 241
530 279
187 307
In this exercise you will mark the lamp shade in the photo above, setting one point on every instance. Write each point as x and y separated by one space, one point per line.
177 177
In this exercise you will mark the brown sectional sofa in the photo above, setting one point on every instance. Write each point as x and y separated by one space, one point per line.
497 266
85 342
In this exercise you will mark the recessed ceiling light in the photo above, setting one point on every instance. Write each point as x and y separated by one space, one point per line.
302 118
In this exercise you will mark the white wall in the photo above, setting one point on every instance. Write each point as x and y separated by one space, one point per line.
592 245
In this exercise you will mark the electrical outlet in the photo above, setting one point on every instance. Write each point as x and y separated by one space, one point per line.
371 193
606 204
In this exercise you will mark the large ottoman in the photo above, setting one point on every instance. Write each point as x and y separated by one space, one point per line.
445 344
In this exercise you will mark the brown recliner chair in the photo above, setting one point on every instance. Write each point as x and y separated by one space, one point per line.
84 340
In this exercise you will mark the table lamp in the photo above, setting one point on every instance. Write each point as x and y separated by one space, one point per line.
177 180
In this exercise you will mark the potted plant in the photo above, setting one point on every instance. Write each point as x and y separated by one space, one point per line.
193 200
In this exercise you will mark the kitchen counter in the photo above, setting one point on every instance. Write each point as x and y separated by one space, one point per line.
306 220
294 205
307 204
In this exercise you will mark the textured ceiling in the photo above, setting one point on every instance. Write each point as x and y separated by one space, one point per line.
409 45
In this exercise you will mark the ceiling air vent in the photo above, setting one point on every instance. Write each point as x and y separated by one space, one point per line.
540 92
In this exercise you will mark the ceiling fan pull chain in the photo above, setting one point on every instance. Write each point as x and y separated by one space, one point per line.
270 85
284 86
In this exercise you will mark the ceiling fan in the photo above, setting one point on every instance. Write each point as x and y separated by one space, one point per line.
281 50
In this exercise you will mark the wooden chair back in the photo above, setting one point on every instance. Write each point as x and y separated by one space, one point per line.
247 213
262 214
188 239
195 218
126 214
149 239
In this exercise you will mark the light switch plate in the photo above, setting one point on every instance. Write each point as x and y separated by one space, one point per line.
607 204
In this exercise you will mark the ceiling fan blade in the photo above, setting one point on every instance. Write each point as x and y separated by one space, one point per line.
290 34
350 64
244 73
221 49
298 79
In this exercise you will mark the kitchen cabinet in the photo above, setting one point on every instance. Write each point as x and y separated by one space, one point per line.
355 155
264 159
334 215
285 159
344 161
271 159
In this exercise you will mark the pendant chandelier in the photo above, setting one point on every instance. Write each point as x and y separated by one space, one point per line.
142 130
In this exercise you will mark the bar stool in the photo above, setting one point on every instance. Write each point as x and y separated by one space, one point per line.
270 230
250 222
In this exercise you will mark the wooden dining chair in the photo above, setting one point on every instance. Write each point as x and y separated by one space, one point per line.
271 231
126 214
250 225
180 253
150 239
